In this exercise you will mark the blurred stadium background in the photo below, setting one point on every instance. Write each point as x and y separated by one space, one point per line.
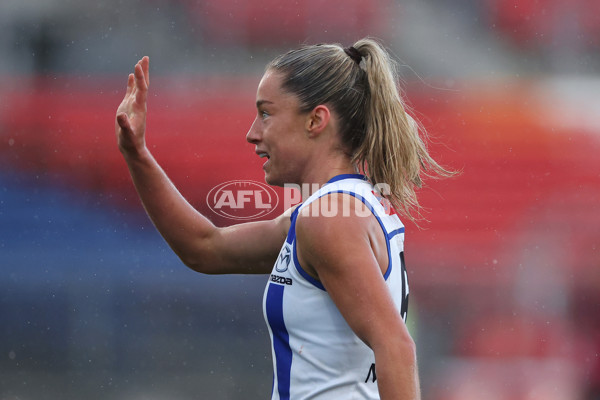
505 278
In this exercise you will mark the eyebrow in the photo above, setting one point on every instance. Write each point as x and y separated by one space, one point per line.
261 102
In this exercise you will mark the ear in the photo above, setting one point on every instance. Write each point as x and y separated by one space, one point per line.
317 120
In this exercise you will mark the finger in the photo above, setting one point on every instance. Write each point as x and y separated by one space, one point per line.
140 84
130 84
123 121
138 72
145 61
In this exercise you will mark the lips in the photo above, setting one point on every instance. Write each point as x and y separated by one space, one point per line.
262 154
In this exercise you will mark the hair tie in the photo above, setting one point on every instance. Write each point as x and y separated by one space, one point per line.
353 54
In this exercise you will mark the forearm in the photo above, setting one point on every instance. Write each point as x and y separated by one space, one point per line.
397 373
182 226
187 232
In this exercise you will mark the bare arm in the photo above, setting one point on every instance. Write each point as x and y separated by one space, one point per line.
244 248
339 250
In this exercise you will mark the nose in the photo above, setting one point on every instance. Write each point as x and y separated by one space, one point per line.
253 136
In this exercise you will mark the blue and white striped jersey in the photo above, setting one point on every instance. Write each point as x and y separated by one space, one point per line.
315 353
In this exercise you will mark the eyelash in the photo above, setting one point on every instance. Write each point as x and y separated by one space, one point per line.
263 114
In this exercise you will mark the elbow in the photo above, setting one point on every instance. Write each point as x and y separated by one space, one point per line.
407 348
401 347
194 265
198 264
410 349
197 261
408 343
405 342
199 254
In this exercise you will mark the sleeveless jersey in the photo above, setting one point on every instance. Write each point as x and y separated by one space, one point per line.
316 355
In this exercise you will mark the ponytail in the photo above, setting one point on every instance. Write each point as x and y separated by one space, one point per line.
392 152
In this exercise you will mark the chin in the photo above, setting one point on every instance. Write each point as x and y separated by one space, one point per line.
276 179
280 176
273 181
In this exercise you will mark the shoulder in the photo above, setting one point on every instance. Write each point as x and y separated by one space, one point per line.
332 227
333 212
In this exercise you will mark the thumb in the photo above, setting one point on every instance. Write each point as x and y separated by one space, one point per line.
123 121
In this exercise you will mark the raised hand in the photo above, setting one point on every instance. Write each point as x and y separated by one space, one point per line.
130 121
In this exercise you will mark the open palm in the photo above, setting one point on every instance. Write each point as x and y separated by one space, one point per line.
130 122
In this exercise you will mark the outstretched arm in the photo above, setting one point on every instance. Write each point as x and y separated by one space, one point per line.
244 248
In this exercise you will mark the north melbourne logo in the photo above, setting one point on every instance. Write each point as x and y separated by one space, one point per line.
284 258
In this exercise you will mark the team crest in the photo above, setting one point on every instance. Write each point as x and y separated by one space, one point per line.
283 261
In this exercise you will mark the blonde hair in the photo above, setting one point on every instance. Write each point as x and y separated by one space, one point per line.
359 84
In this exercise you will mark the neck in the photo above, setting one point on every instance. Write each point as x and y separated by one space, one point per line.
314 179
